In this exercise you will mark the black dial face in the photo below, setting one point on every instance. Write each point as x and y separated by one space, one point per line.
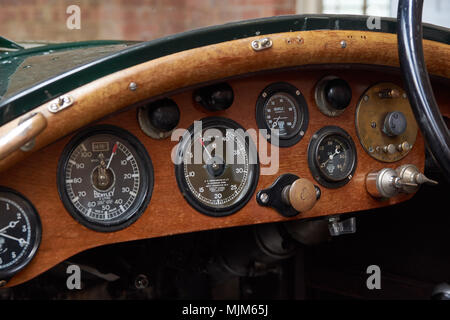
217 170
105 178
20 232
332 157
282 111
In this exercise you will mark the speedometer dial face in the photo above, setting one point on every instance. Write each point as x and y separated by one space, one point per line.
20 232
217 168
332 157
281 111
105 178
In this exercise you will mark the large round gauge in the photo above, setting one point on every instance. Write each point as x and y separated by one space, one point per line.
217 166
282 112
332 157
20 233
105 178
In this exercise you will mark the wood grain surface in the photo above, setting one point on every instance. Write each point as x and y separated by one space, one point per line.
191 67
168 213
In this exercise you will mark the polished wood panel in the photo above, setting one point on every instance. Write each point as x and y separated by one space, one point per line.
191 67
168 213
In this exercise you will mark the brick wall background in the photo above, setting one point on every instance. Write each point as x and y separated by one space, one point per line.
45 20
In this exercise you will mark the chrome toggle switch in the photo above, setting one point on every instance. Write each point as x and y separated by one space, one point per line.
388 182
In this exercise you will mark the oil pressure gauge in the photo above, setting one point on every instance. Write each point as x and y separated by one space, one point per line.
105 178
281 111
332 157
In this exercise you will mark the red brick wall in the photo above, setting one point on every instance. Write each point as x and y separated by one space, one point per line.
126 19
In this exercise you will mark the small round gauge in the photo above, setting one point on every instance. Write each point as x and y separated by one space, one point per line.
217 166
332 157
105 178
20 233
282 111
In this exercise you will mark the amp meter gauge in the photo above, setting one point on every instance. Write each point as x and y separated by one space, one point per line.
281 106
216 166
105 178
332 157
20 233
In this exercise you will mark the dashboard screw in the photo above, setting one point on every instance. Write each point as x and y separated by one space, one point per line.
264 197
343 44
132 86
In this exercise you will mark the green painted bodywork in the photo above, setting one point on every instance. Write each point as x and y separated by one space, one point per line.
71 76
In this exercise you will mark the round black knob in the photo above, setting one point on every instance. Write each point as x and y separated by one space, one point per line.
394 123
164 115
338 93
215 97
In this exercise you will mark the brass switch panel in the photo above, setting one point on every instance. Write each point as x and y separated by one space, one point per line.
375 104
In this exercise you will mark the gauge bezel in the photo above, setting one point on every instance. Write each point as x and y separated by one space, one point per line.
212 122
35 221
147 177
313 146
265 95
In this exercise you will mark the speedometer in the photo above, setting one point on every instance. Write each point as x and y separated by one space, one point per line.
105 178
217 167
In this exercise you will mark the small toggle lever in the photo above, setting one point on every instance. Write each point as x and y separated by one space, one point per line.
339 227
388 182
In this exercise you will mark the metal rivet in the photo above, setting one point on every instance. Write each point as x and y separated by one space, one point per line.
141 282
264 94
132 86
343 44
373 124
366 98
302 133
264 197
297 92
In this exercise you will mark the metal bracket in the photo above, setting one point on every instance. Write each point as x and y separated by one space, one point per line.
61 103
261 44
338 227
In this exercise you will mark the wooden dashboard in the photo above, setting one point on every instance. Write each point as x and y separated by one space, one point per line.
168 213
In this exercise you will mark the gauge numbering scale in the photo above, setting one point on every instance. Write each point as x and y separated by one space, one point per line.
105 178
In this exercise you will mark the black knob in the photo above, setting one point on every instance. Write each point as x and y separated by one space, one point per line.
394 123
215 97
164 115
338 93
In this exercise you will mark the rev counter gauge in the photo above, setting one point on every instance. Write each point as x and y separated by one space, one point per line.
20 233
332 157
281 110
105 178
217 166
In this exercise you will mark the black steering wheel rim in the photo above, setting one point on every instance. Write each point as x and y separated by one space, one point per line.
417 83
